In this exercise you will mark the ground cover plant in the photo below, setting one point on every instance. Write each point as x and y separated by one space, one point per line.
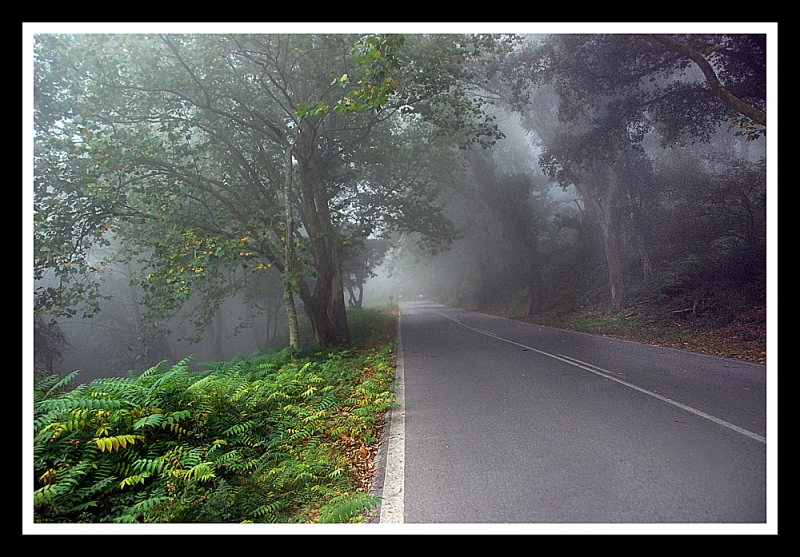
272 438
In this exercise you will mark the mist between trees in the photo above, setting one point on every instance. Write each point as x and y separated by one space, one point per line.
193 194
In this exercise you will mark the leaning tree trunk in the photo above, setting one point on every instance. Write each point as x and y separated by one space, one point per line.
534 276
325 309
355 300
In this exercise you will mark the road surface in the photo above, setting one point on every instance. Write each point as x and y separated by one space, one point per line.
504 422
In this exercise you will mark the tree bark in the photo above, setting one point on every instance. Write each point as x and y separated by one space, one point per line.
338 309
615 274
644 257
289 280
355 299
603 210
325 305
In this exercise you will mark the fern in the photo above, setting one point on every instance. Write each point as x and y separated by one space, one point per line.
116 442
134 479
60 384
347 507
153 420
152 466
246 440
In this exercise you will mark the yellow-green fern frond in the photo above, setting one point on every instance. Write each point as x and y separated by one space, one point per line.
114 443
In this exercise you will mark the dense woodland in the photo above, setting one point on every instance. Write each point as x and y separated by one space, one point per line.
230 193
529 175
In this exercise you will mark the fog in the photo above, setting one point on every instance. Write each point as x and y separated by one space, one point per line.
686 225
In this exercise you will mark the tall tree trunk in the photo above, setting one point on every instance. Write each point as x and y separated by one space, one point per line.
355 300
155 347
644 257
338 309
324 306
527 246
638 226
289 280
603 209
615 274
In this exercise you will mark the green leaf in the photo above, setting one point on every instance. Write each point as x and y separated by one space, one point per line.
153 420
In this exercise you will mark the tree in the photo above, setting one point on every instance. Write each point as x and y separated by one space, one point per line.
511 198
359 265
48 345
611 91
202 149
749 53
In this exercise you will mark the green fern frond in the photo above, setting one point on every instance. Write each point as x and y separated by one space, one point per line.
46 493
175 417
83 506
153 420
69 404
127 519
153 370
200 472
152 466
269 510
100 485
231 459
345 508
238 429
134 479
202 383
61 383
216 444
150 503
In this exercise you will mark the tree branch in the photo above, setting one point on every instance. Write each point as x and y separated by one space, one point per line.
730 100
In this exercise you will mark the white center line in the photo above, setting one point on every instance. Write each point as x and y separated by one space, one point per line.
609 375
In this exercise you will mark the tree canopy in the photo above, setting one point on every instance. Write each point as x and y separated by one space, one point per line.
183 146
614 90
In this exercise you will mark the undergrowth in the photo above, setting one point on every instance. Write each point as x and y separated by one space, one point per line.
700 308
726 322
265 439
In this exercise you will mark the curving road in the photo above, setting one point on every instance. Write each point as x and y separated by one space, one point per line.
505 422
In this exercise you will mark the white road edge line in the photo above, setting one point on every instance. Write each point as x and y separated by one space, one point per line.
609 375
393 502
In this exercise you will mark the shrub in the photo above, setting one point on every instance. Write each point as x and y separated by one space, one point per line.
265 439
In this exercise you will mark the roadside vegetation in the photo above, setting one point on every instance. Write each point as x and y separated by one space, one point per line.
188 188
731 323
281 437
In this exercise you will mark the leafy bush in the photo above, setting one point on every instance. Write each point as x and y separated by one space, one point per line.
264 439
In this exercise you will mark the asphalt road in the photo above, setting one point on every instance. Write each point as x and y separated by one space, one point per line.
504 422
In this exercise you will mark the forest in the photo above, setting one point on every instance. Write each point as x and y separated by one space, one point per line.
230 197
